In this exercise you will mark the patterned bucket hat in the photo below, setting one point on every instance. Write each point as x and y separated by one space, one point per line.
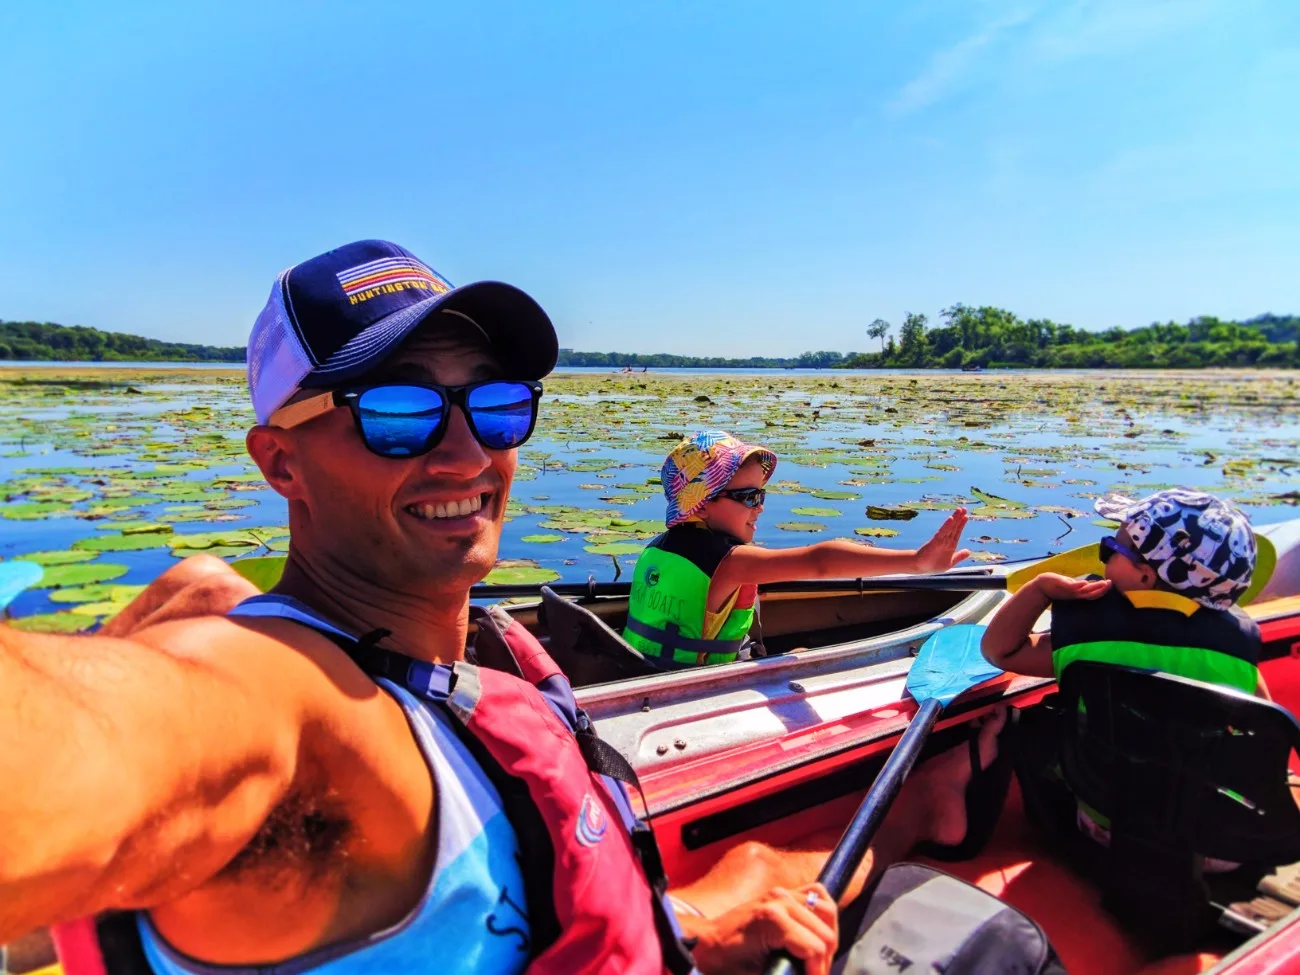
1200 545
700 467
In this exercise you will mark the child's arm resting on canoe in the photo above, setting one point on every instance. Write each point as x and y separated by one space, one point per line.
839 559
1010 643
132 773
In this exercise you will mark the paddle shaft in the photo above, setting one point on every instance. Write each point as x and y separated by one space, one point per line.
848 853
954 582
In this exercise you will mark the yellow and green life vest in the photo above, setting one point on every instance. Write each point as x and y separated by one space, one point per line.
669 600
1162 631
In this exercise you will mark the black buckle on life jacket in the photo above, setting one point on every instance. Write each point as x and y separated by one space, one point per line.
647 851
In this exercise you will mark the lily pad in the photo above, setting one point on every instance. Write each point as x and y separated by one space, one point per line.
874 532
262 571
105 609
800 526
64 557
1056 509
121 543
95 593
34 510
204 514
80 575
816 512
541 539
996 501
878 512
828 495
229 542
520 572
52 623
615 548
988 512
144 528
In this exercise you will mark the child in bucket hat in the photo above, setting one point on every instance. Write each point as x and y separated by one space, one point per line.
695 586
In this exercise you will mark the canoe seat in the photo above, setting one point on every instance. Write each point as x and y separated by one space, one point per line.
585 647
1182 770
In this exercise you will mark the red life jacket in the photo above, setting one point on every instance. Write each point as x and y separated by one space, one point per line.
595 894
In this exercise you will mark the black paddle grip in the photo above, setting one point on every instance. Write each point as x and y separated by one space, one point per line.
851 848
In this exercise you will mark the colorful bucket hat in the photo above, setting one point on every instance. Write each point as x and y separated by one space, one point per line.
1200 545
699 468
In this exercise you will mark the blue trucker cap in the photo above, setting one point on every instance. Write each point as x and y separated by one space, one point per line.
336 316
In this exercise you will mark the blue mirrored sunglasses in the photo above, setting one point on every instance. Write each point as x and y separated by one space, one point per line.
409 419
752 497
1110 546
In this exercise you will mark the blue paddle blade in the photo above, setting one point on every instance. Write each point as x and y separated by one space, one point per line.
15 577
949 662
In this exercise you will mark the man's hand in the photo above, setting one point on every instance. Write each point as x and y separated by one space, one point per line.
1055 586
940 552
741 939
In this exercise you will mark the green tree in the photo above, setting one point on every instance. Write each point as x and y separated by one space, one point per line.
911 338
878 330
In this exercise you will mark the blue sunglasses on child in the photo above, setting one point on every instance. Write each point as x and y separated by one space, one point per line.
1110 546
398 420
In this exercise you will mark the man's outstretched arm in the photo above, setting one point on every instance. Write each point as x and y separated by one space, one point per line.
132 773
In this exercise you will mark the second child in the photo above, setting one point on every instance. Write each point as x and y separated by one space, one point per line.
695 586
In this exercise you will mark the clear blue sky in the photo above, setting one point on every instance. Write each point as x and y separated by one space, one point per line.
718 177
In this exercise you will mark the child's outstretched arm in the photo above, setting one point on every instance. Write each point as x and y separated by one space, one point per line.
839 559
1009 642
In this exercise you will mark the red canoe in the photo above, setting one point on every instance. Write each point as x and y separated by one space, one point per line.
781 748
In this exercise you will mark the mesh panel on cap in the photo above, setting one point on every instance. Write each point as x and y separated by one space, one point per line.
363 347
277 362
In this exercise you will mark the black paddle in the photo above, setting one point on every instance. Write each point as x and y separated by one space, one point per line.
949 663
949 581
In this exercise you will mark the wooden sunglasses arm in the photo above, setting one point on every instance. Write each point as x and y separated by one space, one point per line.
294 414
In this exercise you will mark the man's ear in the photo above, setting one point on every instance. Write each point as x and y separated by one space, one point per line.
274 451
1149 576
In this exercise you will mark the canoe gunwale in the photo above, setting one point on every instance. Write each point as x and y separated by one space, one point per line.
787 664
833 751
1271 952
716 709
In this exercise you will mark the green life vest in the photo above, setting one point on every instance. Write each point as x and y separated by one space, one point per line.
1154 630
670 593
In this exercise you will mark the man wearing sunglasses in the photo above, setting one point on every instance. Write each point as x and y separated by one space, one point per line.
298 781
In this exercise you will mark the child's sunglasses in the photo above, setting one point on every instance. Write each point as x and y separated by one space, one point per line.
750 497
409 419
1109 546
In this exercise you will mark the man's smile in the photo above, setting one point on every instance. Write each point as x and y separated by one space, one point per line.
453 508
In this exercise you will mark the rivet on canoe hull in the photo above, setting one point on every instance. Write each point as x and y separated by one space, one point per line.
661 750
796 687
679 744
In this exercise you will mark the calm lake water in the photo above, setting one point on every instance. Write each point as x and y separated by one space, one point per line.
151 456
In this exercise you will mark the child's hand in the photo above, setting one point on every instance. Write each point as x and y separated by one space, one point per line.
939 553
1055 586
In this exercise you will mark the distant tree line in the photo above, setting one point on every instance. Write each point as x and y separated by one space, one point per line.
991 337
985 337
77 343
662 360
